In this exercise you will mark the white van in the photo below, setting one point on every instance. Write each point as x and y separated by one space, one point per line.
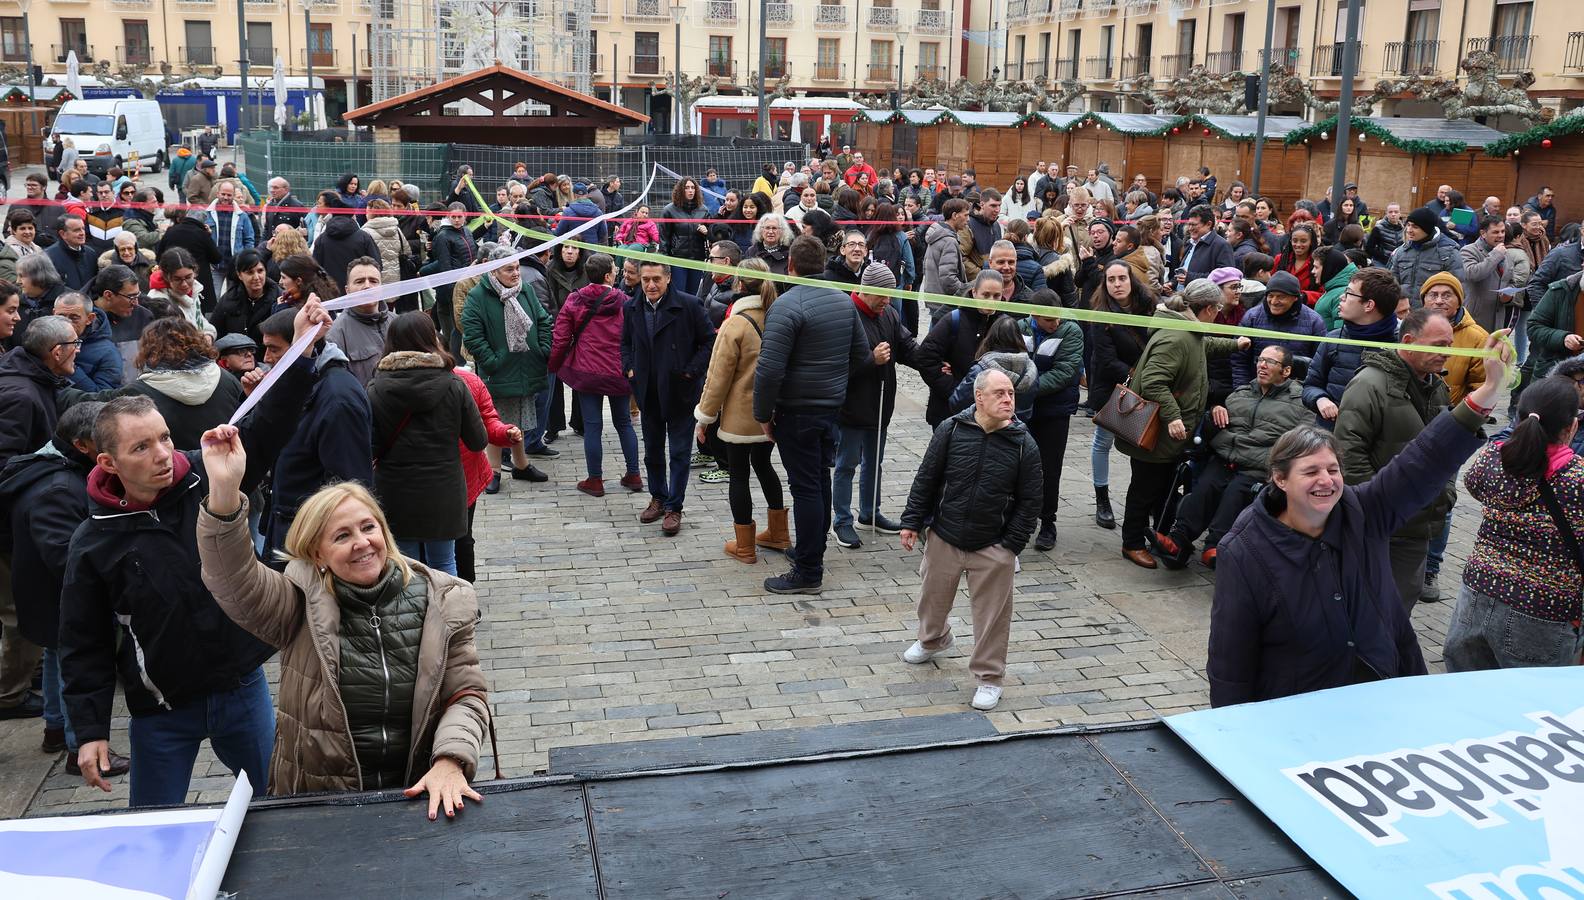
107 132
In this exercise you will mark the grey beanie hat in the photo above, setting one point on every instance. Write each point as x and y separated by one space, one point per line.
877 275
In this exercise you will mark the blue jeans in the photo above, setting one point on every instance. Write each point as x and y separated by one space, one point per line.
534 440
240 726
1488 634
807 441
621 420
687 280
855 447
1438 547
54 708
667 441
1100 456
437 555
1520 327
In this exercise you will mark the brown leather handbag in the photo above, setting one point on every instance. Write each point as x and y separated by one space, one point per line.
1131 418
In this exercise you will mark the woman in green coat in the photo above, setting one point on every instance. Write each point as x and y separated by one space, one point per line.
1173 372
508 332
1336 272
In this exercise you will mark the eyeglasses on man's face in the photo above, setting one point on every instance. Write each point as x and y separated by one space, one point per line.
77 344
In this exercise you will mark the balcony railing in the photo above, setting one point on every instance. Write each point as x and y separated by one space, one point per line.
1573 57
133 54
930 73
931 21
1140 7
319 59
596 63
828 16
85 55
882 72
722 68
720 12
1042 10
1064 69
1224 62
1069 9
1283 56
133 4
1034 68
14 53
324 5
198 56
260 56
780 15
1100 68
830 71
1175 65
647 65
1134 66
1512 51
1099 9
648 11
600 12
194 4
1017 12
1412 57
1014 71
884 18
1328 61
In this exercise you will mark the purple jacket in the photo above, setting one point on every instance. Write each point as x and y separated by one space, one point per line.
1292 614
593 363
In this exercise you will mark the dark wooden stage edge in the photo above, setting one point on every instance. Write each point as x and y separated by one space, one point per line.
890 810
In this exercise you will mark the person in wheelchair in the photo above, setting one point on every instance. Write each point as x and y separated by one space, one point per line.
1240 435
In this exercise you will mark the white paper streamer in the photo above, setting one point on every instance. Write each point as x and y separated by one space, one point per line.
401 288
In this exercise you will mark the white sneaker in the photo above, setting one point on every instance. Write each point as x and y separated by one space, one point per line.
986 697
916 654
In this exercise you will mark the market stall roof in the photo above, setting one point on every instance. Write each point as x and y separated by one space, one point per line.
717 101
926 117
1433 136
1242 128
42 93
1560 127
497 88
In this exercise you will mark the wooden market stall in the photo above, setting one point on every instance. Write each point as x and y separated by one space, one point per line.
1550 155
24 117
953 140
1404 160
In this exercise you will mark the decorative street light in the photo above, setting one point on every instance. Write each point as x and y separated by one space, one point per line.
678 12
900 34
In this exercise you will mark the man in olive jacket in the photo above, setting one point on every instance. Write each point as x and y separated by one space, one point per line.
978 491
1393 396
1255 416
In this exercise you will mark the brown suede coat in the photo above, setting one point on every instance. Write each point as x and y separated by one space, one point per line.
297 614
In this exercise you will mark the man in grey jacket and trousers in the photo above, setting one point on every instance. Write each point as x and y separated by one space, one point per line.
812 338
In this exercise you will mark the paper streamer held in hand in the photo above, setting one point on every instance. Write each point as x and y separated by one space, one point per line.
402 288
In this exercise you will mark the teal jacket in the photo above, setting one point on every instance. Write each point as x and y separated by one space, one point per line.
506 374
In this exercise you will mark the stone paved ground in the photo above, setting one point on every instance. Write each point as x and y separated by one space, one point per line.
599 629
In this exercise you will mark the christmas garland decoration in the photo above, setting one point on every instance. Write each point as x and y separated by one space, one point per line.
1322 131
1560 127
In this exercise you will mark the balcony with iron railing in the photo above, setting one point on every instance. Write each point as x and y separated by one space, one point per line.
261 5
1283 56
1134 66
84 52
780 15
1573 56
1175 65
775 67
197 56
1512 51
720 12
1014 71
830 71
930 73
1412 57
600 11
648 11
829 17
1064 69
17 52
194 4
1069 9
132 4
261 56
321 6
647 65
1042 10
134 54
319 59
884 18
721 67
596 64
882 71
931 21
1099 9
1327 61
1139 7
1100 68
1034 68
1224 62
1017 12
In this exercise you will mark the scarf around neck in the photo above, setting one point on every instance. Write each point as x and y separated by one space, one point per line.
518 324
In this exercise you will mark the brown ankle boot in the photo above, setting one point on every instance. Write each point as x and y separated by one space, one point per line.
776 536
741 547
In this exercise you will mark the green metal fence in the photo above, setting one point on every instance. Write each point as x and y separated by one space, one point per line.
312 166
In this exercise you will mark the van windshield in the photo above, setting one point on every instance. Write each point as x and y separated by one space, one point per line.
80 123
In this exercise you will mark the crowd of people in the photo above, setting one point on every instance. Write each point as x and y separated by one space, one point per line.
152 542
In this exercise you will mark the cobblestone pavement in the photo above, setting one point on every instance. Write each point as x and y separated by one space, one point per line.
598 629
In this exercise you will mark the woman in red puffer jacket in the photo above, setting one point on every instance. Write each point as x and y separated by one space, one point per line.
476 466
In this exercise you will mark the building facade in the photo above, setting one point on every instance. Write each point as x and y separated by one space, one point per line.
1101 42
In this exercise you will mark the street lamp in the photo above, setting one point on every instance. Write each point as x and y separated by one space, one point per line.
678 11
27 44
307 6
900 34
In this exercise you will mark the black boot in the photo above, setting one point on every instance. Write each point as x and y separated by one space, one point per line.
1103 515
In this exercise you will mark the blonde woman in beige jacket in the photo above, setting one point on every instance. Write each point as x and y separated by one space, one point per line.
380 681
728 399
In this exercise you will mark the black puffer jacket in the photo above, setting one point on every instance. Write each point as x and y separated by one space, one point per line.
811 340
379 671
975 489
236 313
28 414
682 239
1117 349
43 498
134 604
340 242
868 381
420 411
954 341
